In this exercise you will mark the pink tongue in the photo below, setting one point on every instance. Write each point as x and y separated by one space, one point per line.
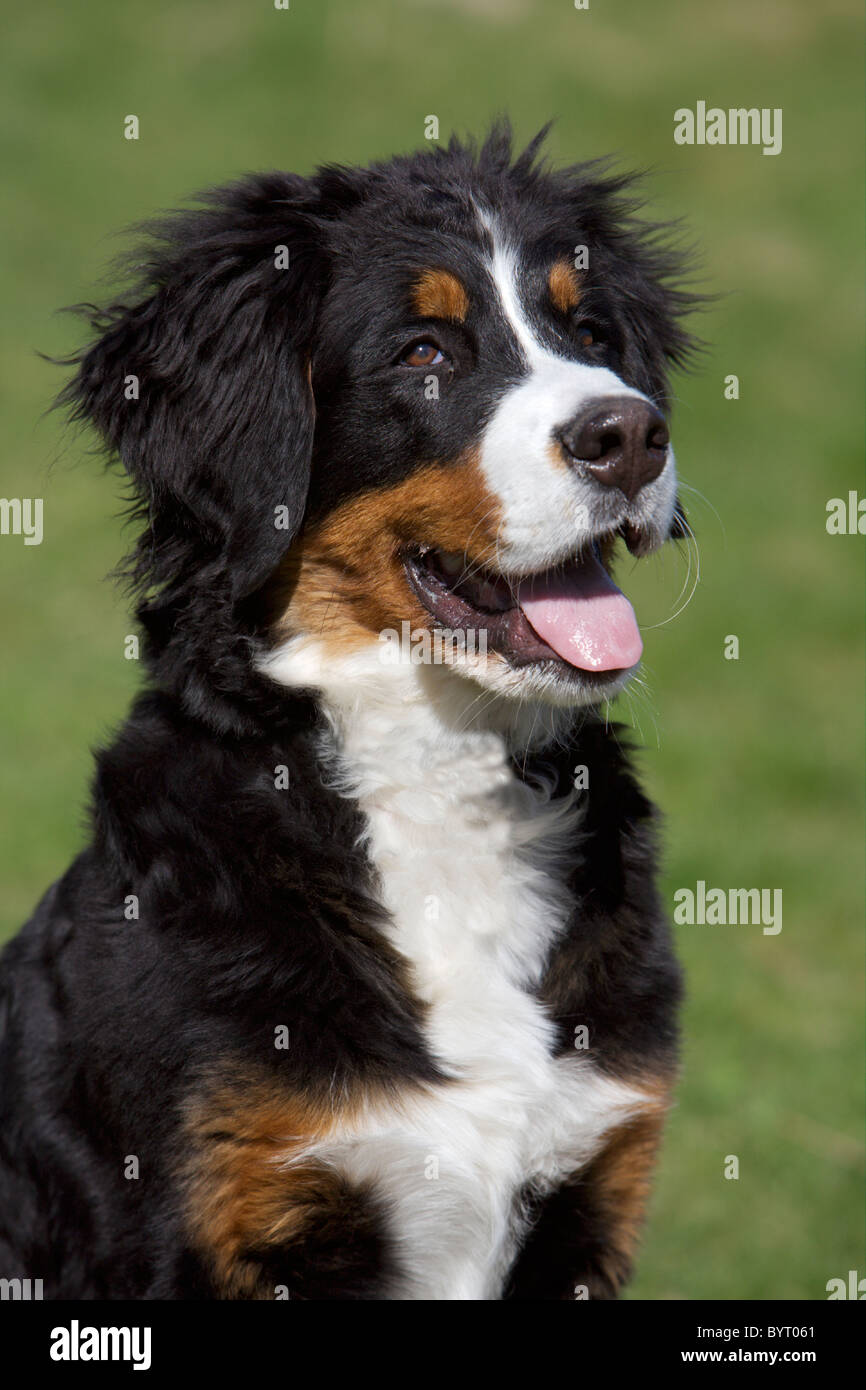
584 617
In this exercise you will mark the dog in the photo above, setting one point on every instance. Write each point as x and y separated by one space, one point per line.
362 987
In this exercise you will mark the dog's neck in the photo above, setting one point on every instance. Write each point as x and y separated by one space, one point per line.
430 705
470 857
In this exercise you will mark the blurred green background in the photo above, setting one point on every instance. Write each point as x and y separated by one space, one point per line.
757 762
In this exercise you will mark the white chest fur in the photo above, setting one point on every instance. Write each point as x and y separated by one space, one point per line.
470 863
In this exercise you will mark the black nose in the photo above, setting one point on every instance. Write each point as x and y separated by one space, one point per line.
622 442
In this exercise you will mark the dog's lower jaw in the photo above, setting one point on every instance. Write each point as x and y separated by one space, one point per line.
530 706
541 684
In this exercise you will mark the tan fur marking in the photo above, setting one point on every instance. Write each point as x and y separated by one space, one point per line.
438 294
619 1179
344 579
248 1188
241 1195
558 458
564 284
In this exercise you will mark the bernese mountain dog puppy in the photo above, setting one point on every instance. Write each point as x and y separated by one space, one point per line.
361 988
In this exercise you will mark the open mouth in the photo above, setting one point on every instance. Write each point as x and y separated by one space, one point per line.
572 617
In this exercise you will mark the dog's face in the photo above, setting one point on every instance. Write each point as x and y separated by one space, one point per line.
457 392
486 429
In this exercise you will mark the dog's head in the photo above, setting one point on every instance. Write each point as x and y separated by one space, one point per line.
430 393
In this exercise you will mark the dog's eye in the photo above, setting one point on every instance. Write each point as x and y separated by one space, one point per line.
589 334
423 354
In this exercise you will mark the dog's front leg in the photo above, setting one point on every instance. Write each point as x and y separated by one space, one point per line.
582 1236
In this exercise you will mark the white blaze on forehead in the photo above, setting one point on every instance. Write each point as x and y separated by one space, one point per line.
504 270
548 509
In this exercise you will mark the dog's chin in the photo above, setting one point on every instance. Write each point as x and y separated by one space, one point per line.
539 637
538 682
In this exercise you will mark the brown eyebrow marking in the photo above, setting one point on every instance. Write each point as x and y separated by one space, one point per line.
563 282
438 294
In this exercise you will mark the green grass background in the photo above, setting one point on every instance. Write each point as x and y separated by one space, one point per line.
757 762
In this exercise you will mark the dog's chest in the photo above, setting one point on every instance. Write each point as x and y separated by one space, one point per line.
471 865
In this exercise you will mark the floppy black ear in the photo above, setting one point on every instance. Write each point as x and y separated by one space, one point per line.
201 382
